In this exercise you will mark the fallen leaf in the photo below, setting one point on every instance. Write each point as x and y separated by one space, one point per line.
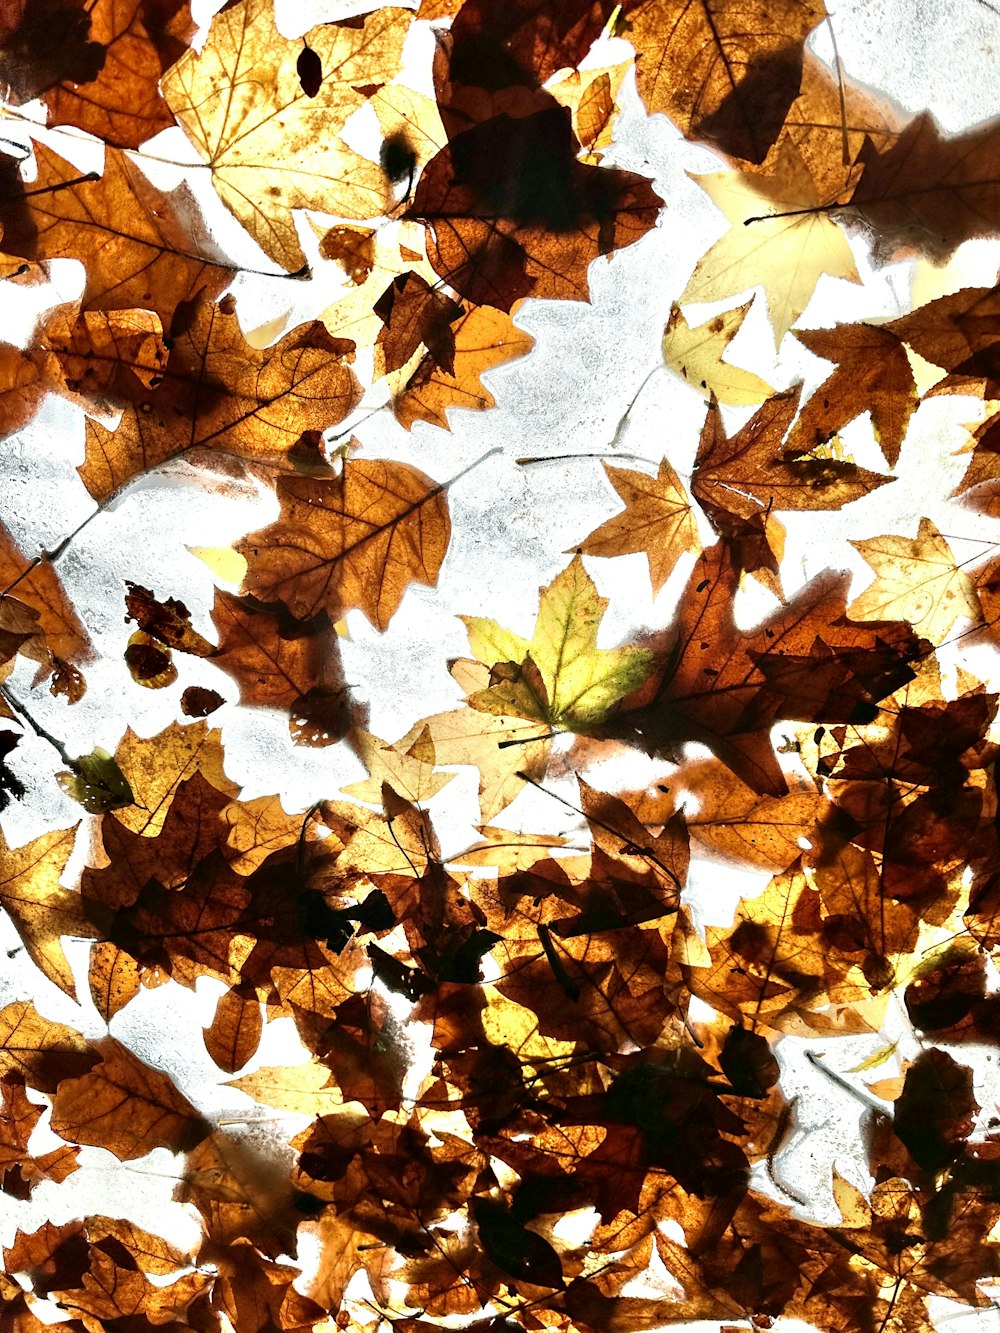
723 72
786 255
696 355
656 522
356 541
873 375
230 399
142 248
916 579
40 1051
271 147
126 1107
561 677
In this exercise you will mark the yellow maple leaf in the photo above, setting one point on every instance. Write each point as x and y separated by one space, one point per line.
561 676
656 522
785 253
270 145
696 355
407 766
916 579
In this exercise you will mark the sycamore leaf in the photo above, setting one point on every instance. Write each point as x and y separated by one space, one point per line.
916 580
41 910
784 255
723 72
126 1107
229 397
511 212
355 541
500 748
873 375
42 1052
273 148
561 676
656 522
142 248
752 472
696 355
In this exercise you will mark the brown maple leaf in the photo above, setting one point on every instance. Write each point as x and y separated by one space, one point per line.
726 687
357 540
656 522
512 213
99 68
873 375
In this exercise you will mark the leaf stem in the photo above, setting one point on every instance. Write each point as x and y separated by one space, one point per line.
36 727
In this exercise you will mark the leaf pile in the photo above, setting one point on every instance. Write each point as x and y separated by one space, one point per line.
531 1074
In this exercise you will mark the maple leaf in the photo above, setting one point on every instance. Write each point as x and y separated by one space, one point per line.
786 255
357 540
928 192
512 213
142 248
560 676
916 579
125 1106
273 148
155 766
696 355
219 394
873 375
656 522
723 72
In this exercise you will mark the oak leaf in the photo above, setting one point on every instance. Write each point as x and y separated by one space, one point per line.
356 541
916 579
121 105
142 248
727 73
38 1050
786 255
219 394
270 146
125 1106
281 662
873 375
484 338
155 766
560 676
696 355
